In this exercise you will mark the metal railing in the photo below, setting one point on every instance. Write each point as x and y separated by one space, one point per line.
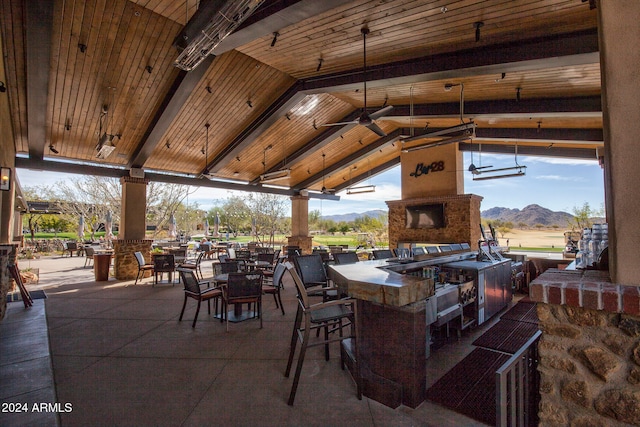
518 387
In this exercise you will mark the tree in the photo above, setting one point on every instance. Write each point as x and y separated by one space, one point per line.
33 220
267 211
583 216
314 219
164 200
236 215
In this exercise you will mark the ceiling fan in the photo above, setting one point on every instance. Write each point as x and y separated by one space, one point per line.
365 118
324 189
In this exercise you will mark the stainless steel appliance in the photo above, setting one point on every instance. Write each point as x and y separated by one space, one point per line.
493 282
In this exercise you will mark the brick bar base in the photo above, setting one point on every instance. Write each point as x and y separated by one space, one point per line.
392 349
590 349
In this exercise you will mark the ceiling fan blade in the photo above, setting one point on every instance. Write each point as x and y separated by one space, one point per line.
381 112
375 128
354 122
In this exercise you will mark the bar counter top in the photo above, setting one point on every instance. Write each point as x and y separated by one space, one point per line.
368 281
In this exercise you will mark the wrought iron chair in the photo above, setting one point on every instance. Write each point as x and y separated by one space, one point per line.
193 289
142 266
243 287
330 317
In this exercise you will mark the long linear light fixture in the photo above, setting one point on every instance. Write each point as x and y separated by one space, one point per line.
222 23
451 140
361 189
519 171
467 128
275 176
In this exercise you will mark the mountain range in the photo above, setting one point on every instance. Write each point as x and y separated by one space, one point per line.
352 216
530 215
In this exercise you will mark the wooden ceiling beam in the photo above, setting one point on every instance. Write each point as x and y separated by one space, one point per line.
273 16
553 51
39 25
568 106
170 107
350 159
564 135
105 171
368 174
565 152
317 143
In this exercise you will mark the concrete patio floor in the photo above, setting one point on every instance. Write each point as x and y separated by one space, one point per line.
119 356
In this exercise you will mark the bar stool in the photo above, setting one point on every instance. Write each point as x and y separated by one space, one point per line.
329 316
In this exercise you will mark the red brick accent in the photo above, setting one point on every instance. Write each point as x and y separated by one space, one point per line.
536 292
631 300
611 298
589 289
555 293
591 296
572 293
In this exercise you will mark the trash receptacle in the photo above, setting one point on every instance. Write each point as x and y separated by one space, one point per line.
101 264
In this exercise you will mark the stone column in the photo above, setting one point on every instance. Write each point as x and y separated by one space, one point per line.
300 223
134 208
619 35
133 227
7 211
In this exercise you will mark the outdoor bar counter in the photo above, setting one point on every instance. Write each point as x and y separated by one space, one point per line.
392 324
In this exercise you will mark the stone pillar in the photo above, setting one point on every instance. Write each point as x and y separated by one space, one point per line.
134 208
7 257
300 223
619 35
7 211
125 265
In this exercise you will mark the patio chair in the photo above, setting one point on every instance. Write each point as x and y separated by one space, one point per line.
276 285
313 275
193 289
419 250
382 254
164 264
88 253
243 287
401 252
69 248
194 265
345 258
330 317
142 266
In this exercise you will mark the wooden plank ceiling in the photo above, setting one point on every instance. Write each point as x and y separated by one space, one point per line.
530 74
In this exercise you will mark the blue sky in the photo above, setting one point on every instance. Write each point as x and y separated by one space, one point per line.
554 183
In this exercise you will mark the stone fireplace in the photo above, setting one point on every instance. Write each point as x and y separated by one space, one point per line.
462 221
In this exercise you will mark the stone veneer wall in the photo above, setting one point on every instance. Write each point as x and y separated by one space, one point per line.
590 349
7 257
304 242
462 221
125 264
